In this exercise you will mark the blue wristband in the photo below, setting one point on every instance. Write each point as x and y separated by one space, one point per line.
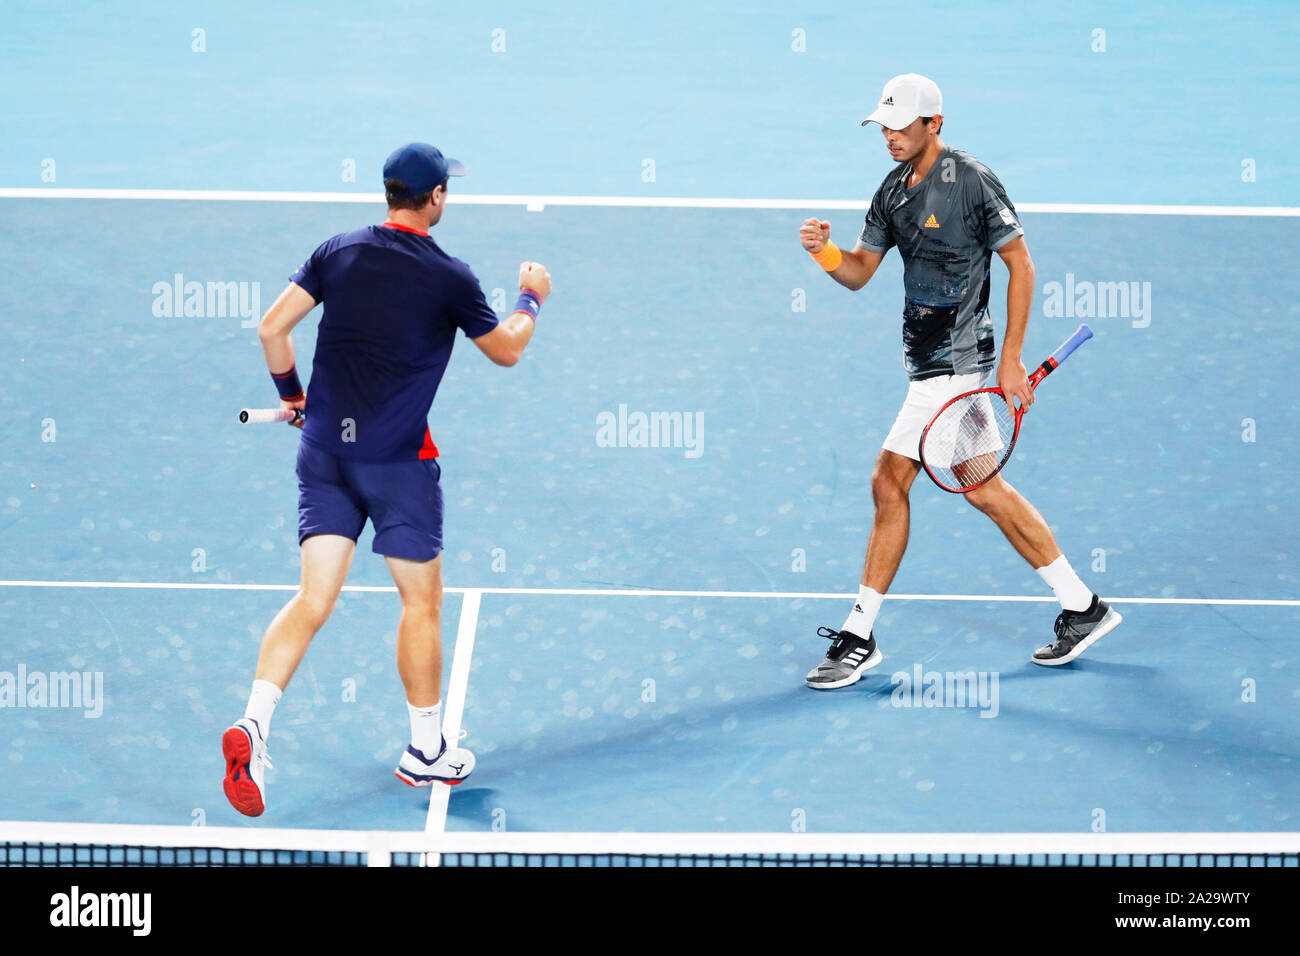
287 384
528 302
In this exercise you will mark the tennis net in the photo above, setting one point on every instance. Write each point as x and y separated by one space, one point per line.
113 845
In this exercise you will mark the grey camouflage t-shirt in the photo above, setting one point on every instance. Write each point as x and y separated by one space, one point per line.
947 228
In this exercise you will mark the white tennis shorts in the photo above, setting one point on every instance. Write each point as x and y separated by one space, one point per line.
923 401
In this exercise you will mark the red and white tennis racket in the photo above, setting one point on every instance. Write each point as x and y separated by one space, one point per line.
257 416
972 436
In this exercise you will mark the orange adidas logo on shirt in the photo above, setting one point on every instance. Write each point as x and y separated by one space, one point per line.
932 223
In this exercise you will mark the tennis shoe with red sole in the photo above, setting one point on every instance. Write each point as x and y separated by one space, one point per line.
246 765
451 766
1076 631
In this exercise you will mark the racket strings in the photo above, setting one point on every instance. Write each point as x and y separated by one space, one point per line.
970 440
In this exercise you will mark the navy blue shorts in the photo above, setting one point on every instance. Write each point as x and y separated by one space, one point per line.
402 499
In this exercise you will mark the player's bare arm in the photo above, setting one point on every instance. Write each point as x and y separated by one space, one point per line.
1012 376
857 265
275 334
506 343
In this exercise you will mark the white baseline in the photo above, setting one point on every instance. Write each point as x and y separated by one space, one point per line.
645 592
538 203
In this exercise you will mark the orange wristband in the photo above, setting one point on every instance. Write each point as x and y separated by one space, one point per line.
830 257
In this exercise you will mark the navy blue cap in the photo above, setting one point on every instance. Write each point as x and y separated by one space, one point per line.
420 167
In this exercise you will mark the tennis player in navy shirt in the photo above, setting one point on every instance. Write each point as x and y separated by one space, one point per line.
393 303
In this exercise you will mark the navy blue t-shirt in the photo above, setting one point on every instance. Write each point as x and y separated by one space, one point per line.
393 302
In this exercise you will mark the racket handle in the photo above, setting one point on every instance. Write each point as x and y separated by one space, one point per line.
257 416
1081 335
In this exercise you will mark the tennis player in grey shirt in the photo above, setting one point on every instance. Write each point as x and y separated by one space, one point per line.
947 213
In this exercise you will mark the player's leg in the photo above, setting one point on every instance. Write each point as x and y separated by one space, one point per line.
326 559
891 486
853 649
419 632
1085 618
330 517
1028 533
419 648
429 758
404 500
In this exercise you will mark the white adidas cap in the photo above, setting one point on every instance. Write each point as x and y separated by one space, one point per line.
904 98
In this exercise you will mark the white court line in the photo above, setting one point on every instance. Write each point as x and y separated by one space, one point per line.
716 844
454 709
647 592
538 203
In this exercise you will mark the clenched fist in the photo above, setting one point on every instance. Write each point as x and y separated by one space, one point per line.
533 275
814 234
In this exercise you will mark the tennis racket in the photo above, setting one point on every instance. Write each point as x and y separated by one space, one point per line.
970 439
257 416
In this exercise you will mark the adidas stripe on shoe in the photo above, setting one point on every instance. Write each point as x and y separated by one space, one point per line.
847 660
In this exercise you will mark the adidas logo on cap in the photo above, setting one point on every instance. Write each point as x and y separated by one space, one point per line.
904 98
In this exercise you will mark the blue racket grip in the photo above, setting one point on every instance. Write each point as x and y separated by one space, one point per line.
1081 335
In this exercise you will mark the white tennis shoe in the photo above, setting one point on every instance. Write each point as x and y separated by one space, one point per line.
451 766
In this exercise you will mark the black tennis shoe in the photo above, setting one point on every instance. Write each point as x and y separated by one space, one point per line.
1076 631
845 662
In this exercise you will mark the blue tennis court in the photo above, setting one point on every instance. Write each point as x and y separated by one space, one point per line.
635 622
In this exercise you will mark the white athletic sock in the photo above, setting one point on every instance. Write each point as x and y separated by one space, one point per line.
863 616
1073 594
261 705
426 728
